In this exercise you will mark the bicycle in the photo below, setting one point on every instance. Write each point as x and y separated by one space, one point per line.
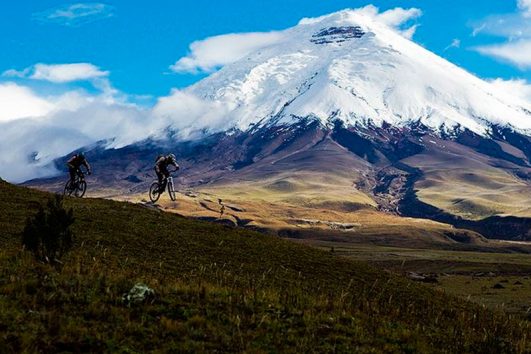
78 187
155 192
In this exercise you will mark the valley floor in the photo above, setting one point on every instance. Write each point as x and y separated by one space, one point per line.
498 277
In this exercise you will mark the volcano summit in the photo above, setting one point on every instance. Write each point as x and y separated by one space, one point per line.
351 68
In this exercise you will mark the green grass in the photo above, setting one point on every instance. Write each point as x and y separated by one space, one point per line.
218 289
457 259
469 274
512 294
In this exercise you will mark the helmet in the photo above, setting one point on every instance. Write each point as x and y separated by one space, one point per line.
81 154
171 156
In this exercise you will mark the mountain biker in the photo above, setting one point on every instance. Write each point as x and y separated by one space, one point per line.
74 164
161 168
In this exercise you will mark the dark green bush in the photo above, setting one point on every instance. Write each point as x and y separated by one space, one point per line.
47 234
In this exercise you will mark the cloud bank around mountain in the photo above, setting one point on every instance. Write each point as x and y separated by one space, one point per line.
19 102
517 87
37 128
210 54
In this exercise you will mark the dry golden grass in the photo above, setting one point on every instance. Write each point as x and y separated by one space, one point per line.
475 194
303 205
302 188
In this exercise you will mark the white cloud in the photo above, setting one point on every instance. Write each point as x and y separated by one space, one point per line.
518 53
36 130
410 32
395 18
515 28
28 148
211 53
525 7
399 19
517 88
398 16
75 15
68 73
189 114
16 73
18 102
61 73
456 43
510 26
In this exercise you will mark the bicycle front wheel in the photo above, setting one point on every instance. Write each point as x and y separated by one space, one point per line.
154 194
171 191
81 189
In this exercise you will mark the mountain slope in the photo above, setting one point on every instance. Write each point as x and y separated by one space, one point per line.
218 288
339 170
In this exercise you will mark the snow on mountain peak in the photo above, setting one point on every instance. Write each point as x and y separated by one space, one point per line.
356 66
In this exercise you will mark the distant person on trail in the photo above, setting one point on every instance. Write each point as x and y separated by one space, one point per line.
74 165
222 209
161 168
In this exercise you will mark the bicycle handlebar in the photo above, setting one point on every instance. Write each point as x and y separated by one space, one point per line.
87 172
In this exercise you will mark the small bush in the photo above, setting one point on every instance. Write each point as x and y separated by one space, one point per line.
47 234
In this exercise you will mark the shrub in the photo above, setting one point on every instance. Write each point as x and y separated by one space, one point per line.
47 234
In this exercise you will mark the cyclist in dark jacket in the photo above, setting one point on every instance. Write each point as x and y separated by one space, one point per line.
74 165
161 168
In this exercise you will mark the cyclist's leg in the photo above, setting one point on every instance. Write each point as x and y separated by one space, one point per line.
79 174
160 177
72 172
162 184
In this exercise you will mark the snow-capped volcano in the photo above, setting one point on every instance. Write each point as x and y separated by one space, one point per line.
350 67
340 112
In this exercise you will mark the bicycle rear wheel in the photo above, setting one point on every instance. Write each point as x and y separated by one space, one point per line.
154 194
81 189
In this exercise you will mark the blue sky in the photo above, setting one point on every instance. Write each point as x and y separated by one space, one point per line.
134 43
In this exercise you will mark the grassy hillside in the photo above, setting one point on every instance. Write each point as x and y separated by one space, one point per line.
311 189
474 194
471 188
325 218
218 288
